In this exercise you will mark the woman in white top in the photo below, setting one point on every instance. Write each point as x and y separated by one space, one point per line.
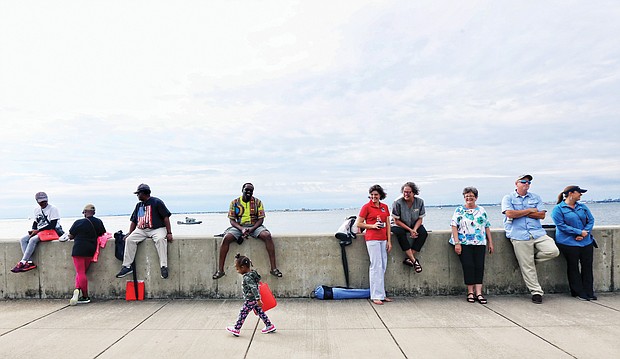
471 235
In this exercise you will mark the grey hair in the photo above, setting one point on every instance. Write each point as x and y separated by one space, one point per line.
470 190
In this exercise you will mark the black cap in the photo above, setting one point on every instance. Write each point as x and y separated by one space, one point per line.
143 188
570 189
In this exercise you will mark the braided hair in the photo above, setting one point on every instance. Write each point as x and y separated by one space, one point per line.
242 261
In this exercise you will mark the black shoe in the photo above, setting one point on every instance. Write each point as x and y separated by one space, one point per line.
83 300
124 271
592 297
537 299
582 297
164 272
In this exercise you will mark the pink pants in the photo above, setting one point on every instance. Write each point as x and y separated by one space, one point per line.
81 265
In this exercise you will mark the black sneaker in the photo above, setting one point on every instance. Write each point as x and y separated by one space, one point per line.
537 299
583 297
124 271
592 297
83 300
164 272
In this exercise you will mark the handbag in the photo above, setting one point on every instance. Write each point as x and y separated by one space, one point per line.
58 228
266 296
48 235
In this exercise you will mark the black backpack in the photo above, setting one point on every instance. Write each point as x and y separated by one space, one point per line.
119 245
346 234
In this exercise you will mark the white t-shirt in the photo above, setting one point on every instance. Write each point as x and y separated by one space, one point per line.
50 212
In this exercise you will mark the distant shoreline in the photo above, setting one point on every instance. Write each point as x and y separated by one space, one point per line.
617 200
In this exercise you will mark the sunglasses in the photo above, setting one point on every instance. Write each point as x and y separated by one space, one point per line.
525 181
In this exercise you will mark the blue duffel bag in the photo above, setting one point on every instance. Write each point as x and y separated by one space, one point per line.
326 292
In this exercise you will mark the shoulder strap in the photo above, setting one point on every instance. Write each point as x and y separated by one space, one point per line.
92 225
44 216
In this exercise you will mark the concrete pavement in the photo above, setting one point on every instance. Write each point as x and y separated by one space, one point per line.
410 327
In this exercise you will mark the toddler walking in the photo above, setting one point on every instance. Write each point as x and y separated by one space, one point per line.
251 296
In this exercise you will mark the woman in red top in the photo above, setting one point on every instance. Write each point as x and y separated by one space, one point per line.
374 218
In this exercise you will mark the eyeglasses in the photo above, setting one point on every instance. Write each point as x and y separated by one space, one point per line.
525 181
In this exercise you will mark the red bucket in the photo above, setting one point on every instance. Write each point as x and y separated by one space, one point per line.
269 301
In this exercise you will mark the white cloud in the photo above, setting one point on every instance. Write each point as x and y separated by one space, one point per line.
313 101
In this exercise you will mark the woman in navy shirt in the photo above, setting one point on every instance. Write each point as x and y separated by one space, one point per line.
573 236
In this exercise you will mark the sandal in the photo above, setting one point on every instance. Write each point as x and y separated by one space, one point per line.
276 272
388 300
418 266
408 262
471 298
218 274
377 302
481 299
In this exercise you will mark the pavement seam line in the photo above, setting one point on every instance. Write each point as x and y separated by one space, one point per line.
388 329
247 350
604 306
529 331
34 320
132 329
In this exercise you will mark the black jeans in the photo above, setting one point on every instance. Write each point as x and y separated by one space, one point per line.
580 282
416 244
472 260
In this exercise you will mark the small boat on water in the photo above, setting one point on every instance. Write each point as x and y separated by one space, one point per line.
189 220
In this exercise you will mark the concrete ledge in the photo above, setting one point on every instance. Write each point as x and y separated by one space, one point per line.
305 260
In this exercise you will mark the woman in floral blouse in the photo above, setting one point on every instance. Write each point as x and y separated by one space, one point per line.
471 235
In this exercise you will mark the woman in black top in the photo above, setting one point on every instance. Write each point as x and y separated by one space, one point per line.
84 232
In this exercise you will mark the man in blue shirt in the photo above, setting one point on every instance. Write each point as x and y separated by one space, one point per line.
524 211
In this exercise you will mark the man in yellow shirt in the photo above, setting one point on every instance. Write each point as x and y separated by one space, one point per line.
246 215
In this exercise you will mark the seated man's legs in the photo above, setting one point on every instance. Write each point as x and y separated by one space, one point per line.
161 244
524 251
230 235
264 235
131 246
24 242
29 244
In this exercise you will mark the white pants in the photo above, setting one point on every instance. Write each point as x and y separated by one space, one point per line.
377 251
138 235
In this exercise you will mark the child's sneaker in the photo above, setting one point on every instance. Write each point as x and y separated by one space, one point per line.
233 331
76 296
269 329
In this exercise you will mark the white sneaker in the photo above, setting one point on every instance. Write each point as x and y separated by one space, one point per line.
233 331
74 299
64 237
269 329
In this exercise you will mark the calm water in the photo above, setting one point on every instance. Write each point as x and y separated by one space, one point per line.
309 222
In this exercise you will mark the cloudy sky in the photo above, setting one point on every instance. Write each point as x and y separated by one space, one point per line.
312 101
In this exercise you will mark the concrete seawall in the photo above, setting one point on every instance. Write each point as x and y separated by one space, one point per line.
305 260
